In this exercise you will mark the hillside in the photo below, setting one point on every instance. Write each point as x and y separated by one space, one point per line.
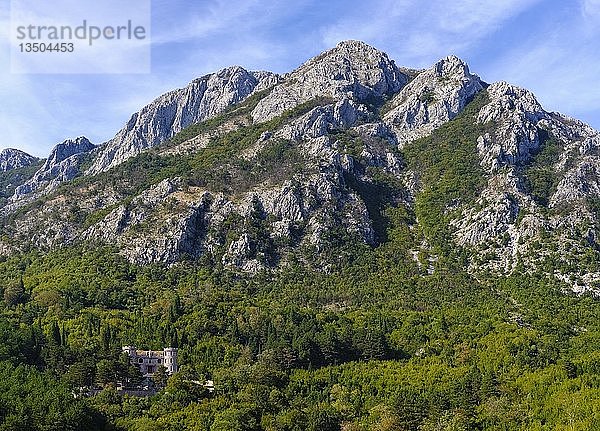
352 245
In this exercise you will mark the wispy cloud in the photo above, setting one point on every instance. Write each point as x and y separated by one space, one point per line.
561 67
545 45
418 32
209 18
591 9
562 76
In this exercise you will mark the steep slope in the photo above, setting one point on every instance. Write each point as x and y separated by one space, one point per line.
62 165
352 70
16 167
434 97
537 204
164 117
337 153
11 158
422 258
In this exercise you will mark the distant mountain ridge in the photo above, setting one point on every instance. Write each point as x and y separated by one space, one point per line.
11 158
250 169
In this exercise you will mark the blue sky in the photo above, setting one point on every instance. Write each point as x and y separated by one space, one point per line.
547 46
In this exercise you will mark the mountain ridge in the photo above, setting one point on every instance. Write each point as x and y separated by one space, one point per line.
12 158
256 169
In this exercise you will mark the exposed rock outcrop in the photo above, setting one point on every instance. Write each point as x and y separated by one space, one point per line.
11 158
516 114
434 97
307 182
61 165
352 70
580 182
170 113
200 221
508 219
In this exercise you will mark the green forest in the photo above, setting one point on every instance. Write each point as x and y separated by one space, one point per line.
373 343
351 337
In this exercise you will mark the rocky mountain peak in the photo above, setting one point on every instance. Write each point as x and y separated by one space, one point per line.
11 158
507 99
451 65
66 149
261 190
356 53
62 164
519 117
354 45
170 113
351 70
434 97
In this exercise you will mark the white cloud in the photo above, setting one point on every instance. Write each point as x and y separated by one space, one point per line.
216 16
471 17
561 67
591 9
418 32
224 17
24 119
562 77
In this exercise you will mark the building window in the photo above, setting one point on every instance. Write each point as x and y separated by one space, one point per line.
141 360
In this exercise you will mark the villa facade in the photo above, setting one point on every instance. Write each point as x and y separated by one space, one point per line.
148 361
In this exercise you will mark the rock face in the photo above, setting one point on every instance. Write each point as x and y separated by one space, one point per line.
518 115
298 211
322 120
305 207
508 217
61 165
11 158
351 70
172 112
582 181
434 97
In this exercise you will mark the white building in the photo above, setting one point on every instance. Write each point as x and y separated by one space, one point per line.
148 361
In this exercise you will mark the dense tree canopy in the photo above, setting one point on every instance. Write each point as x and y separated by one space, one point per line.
373 344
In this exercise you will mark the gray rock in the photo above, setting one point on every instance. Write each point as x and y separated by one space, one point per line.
580 182
336 146
434 97
11 158
507 221
172 112
322 120
352 70
516 113
66 149
61 165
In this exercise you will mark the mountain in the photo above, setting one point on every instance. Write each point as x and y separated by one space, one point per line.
172 112
434 97
352 70
11 158
254 170
16 167
353 245
61 165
